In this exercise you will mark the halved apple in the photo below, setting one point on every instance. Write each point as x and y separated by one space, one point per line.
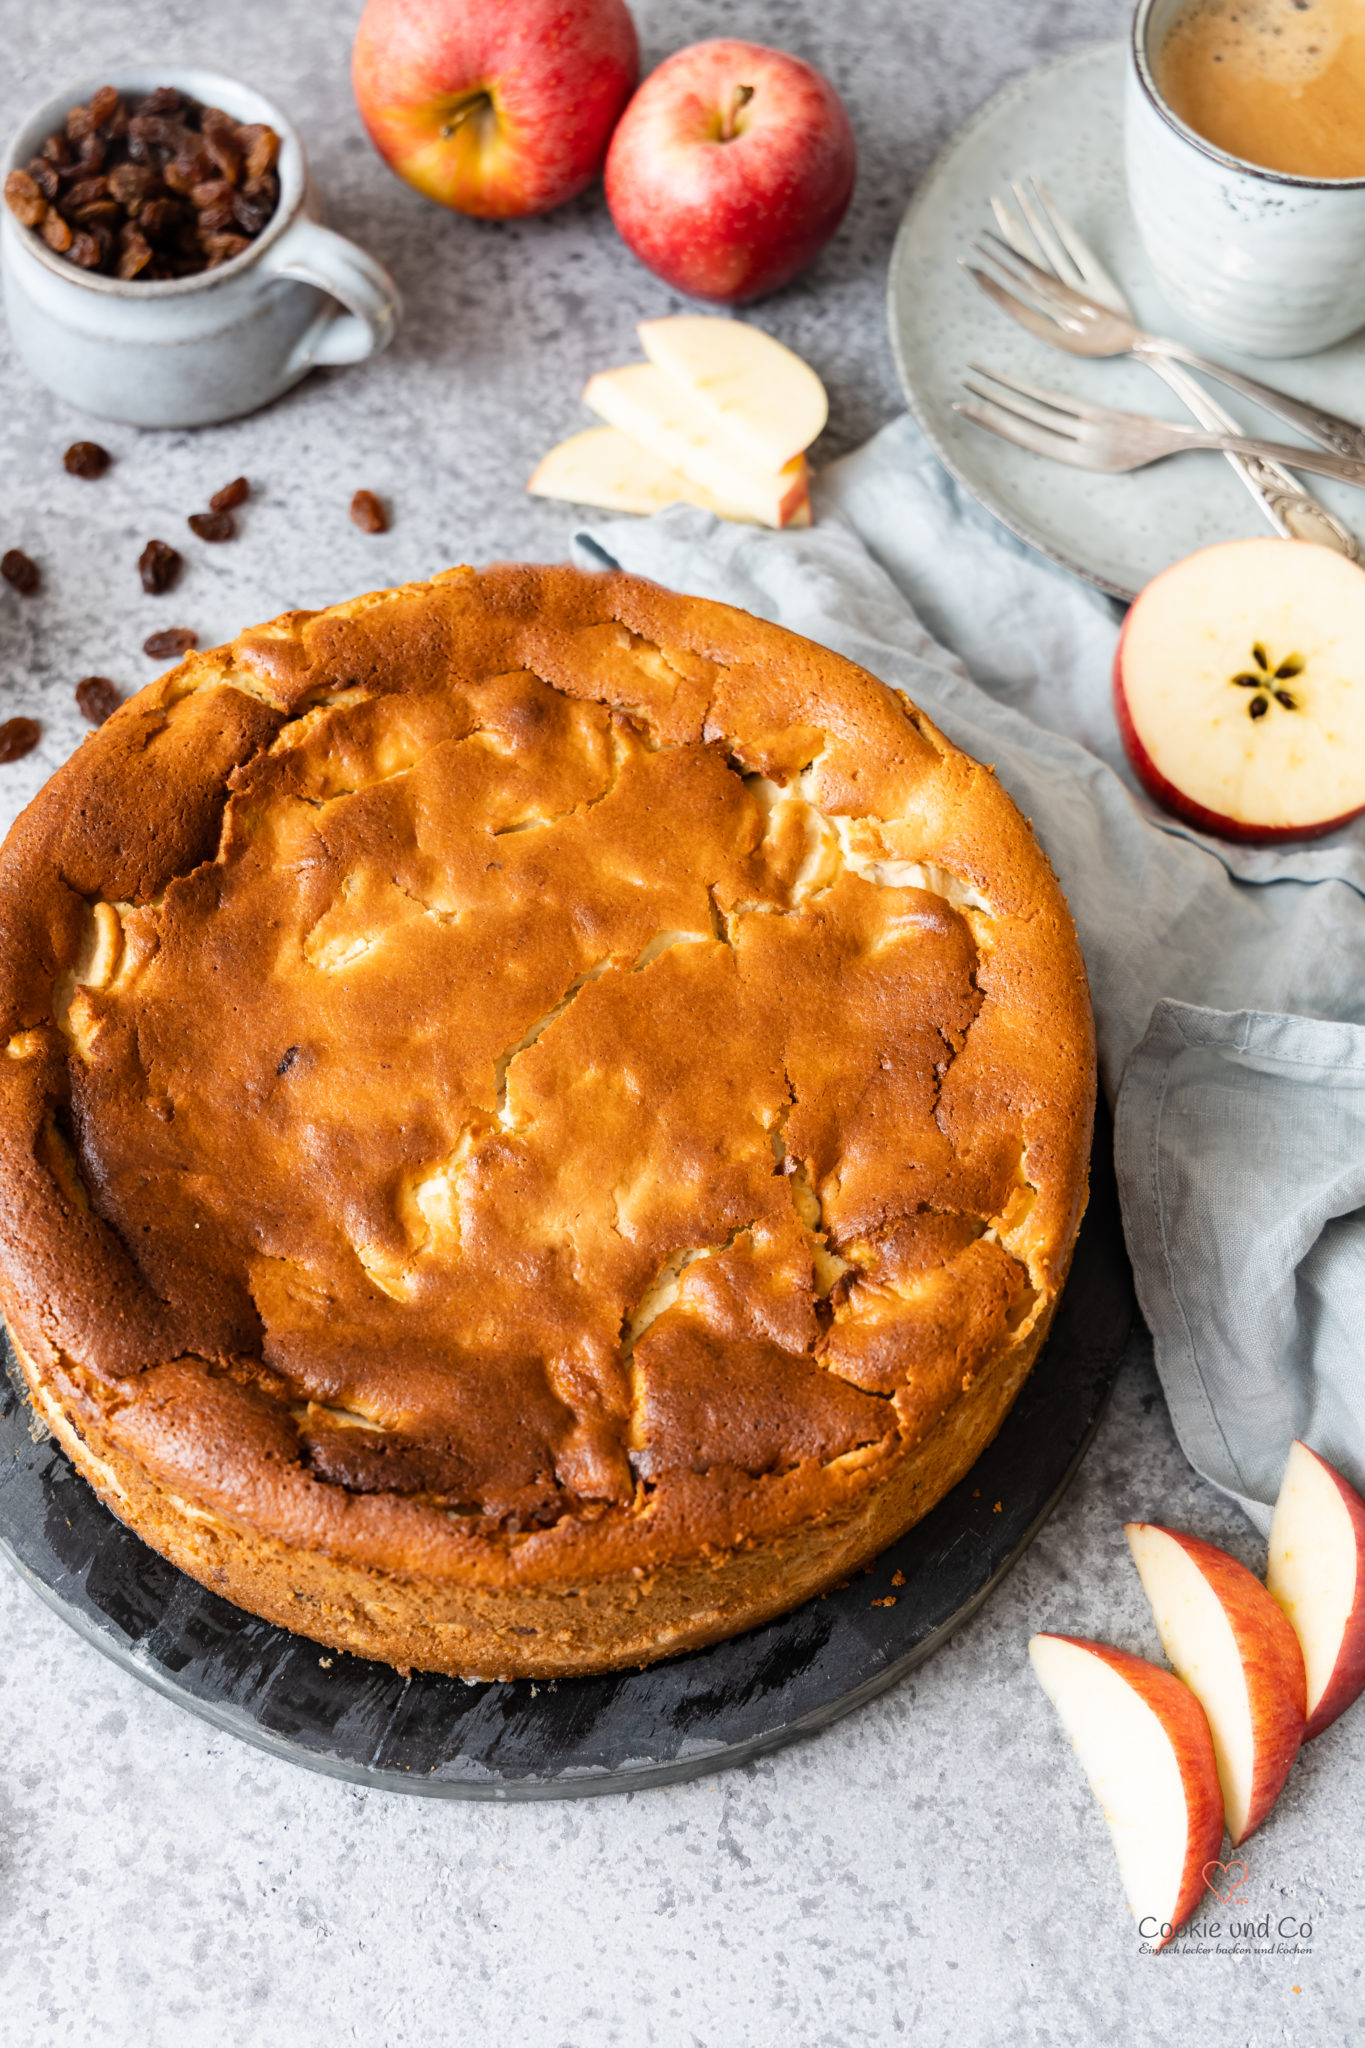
1239 686
770 402
1144 1742
1231 1644
1317 1574
645 404
606 468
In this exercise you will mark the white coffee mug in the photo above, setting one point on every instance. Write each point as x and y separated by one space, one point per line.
182 352
1266 263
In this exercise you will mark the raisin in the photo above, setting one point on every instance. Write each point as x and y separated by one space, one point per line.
104 105
263 148
57 150
225 155
56 233
18 736
222 248
163 99
368 513
80 122
24 199
211 192
92 153
131 184
86 458
172 640
221 216
19 571
135 253
250 214
158 565
97 698
43 176
158 217
85 249
212 525
231 496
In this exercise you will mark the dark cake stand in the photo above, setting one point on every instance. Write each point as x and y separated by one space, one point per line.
574 1736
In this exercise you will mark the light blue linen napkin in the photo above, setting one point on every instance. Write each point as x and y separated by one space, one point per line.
1229 983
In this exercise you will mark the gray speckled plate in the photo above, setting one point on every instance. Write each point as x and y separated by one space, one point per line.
1065 122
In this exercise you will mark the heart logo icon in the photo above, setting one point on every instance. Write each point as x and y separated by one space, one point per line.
1227 1881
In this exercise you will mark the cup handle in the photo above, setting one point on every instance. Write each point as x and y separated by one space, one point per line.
315 255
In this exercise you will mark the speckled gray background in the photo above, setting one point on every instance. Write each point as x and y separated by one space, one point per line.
930 1871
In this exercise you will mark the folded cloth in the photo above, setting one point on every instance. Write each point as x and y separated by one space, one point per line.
1228 981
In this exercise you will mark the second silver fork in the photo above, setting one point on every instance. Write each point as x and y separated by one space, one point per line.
1045 236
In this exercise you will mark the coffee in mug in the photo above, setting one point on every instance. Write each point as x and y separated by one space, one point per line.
1280 83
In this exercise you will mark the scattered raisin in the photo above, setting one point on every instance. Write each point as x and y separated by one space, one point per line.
172 640
19 571
18 736
86 458
158 565
25 199
97 698
231 496
212 525
368 513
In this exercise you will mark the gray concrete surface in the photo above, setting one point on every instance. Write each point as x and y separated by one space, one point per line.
931 1870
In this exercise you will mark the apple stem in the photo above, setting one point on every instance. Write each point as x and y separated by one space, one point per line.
743 95
474 105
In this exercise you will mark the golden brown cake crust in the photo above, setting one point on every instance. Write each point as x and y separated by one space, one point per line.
543 1120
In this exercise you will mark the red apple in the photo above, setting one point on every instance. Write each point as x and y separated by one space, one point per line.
1239 686
1231 1644
730 169
1144 1743
494 107
1317 1573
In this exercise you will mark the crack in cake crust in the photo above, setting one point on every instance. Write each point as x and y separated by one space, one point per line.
616 1051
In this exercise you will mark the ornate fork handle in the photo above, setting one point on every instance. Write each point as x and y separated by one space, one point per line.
1326 429
1322 462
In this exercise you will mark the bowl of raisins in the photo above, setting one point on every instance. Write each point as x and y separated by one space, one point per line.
163 253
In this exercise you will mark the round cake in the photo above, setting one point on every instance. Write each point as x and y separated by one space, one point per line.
543 1121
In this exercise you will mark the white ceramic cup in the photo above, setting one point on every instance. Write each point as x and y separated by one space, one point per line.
1266 263
182 352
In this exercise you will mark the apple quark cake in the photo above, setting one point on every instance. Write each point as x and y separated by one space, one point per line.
543 1121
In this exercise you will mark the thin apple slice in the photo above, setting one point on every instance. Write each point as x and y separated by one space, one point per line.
606 468
1317 1573
1144 1742
770 402
1239 688
1233 1647
643 403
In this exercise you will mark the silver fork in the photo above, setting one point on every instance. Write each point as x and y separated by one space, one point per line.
1056 312
1046 237
1100 437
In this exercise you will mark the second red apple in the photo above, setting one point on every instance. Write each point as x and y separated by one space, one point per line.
730 169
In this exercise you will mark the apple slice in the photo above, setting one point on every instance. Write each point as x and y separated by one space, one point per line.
1317 1573
1239 686
1235 1650
770 403
644 403
603 467
1145 1746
